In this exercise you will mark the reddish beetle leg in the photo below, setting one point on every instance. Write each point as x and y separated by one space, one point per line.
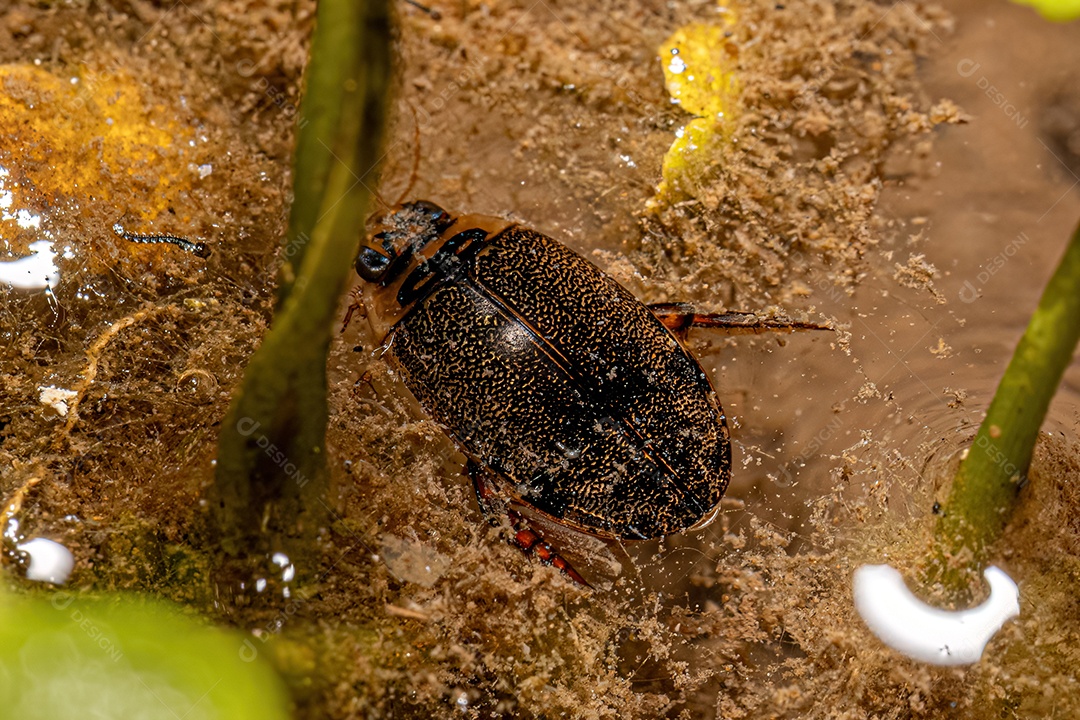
356 306
492 504
680 317
531 543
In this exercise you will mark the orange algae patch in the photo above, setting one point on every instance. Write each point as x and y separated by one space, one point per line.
82 151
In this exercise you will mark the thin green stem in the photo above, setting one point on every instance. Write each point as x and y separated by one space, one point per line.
986 485
271 465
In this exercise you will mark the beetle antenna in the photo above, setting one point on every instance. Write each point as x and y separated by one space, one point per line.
416 156
382 201
415 172
435 14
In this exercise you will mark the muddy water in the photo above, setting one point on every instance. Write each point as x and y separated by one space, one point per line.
851 197
838 439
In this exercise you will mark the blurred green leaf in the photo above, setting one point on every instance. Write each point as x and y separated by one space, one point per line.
74 658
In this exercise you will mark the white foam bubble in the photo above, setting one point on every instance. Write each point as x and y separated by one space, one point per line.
939 637
49 560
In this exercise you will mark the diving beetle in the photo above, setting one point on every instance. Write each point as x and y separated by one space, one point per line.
567 395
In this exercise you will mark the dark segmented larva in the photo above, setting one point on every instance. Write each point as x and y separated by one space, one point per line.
195 248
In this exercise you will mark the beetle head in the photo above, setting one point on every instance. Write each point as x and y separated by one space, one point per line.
397 236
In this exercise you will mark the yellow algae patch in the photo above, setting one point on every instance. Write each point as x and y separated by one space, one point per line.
698 62
1056 10
79 152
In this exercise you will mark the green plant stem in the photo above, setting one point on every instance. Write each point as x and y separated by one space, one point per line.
270 474
986 485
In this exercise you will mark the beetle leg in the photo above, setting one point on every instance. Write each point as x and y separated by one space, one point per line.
356 306
525 538
680 317
532 544
491 503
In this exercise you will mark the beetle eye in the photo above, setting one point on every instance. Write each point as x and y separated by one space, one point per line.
371 264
